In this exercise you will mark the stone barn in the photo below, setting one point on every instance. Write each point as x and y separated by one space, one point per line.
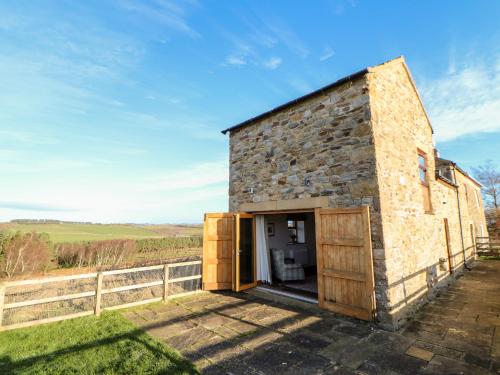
340 198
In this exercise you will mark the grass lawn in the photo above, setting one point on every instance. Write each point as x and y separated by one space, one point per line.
490 257
106 345
68 232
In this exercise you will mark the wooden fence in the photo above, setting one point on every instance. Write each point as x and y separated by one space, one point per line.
166 281
487 246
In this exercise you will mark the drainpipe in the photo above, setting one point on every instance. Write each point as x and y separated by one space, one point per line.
460 218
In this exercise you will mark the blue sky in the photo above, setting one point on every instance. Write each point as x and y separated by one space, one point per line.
111 111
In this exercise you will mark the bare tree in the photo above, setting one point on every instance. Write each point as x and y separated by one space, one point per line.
24 253
489 176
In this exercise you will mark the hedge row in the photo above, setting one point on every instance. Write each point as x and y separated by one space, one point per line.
31 252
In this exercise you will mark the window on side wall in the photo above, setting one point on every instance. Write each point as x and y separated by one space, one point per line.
424 180
477 199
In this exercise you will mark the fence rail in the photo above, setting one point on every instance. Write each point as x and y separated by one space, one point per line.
166 276
487 246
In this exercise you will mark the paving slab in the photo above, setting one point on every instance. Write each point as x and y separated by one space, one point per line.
420 353
440 350
391 341
399 363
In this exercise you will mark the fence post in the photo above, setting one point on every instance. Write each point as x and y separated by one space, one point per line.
97 310
166 269
2 300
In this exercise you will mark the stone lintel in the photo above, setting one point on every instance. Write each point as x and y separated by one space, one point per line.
286 204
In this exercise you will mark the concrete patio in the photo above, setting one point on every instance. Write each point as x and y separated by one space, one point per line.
230 333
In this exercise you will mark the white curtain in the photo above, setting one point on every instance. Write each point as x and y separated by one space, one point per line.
263 261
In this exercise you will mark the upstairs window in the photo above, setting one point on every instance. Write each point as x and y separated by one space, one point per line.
422 168
424 180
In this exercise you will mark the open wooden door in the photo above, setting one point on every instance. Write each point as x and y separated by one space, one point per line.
218 251
344 261
245 274
229 259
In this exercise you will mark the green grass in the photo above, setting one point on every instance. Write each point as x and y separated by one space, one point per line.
67 232
490 257
106 345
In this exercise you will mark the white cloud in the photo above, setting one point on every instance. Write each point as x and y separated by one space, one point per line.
8 155
466 100
273 63
300 85
288 37
262 38
168 13
39 165
25 137
194 177
339 6
262 34
328 52
235 60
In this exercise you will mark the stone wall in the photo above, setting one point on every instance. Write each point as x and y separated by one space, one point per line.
414 241
326 140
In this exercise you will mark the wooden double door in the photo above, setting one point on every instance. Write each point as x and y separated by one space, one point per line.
229 257
343 252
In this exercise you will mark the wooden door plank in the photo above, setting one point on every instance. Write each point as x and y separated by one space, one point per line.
319 258
347 275
349 310
342 241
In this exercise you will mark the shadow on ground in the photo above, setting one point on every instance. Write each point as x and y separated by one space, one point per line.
238 333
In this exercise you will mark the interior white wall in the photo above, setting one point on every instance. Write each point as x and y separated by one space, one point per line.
280 238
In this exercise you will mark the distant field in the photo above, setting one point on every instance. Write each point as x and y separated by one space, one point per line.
67 232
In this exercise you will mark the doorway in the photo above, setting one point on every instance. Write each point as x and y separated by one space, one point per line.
337 247
291 250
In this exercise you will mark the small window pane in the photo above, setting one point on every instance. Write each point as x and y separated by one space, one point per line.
421 160
422 175
301 232
291 224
